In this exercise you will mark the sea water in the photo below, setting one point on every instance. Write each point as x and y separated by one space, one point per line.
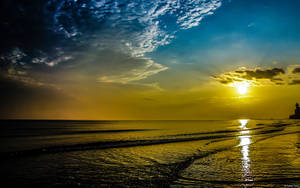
232 153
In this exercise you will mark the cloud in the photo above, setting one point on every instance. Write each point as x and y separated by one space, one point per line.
136 27
295 82
149 68
296 70
260 76
260 73
63 29
195 10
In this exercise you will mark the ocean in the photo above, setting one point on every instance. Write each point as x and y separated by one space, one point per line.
235 153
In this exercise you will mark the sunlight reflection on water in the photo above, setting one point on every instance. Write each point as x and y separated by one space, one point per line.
245 141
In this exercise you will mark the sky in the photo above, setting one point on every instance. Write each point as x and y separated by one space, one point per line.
167 59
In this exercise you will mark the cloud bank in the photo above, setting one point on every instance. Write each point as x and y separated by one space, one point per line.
261 77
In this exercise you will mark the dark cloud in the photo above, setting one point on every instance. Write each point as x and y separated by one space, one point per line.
296 70
295 82
255 75
260 73
26 26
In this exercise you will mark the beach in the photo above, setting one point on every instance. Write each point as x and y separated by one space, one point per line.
151 153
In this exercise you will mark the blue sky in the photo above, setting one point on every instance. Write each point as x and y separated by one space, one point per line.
259 32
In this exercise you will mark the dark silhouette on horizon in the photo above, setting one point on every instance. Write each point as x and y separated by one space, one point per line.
297 113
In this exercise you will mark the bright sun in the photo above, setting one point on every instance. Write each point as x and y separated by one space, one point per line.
241 87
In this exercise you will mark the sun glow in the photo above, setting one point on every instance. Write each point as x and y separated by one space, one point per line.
241 87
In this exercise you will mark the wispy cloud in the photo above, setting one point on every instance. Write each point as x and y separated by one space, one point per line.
149 68
194 14
138 26
24 78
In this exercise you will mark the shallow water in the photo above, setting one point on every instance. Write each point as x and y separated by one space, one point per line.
151 153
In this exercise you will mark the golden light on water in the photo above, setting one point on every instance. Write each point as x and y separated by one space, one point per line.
245 141
243 123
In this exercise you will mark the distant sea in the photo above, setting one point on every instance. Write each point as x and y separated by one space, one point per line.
241 153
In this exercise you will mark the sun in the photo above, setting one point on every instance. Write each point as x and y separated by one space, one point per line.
241 87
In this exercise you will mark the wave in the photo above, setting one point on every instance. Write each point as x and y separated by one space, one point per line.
216 135
106 145
212 132
77 132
